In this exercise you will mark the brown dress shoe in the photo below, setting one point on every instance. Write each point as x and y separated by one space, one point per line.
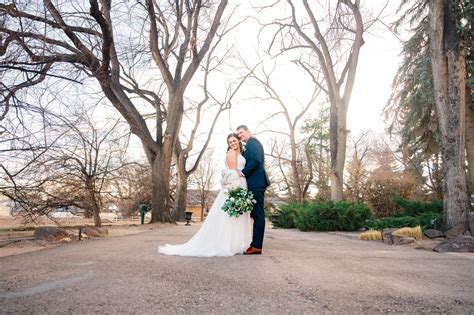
253 251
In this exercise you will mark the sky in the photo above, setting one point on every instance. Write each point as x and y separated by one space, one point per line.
378 63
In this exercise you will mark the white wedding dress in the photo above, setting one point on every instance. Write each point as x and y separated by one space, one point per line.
220 234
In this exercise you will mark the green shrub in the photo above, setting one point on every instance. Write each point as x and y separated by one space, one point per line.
312 214
414 208
354 217
332 216
428 220
304 218
286 214
323 216
428 215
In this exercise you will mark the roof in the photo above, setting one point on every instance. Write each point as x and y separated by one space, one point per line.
194 198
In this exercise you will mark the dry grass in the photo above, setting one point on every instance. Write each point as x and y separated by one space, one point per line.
411 232
371 235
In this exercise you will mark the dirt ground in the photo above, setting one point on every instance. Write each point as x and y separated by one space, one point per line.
298 273
16 236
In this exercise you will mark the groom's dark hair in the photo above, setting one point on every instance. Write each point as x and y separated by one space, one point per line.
244 127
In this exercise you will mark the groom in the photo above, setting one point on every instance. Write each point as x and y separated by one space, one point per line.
257 183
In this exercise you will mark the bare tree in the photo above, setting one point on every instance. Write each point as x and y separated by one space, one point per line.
185 146
300 177
204 179
331 42
27 138
293 174
90 159
74 172
57 39
449 75
357 169
130 188
428 169
276 170
386 179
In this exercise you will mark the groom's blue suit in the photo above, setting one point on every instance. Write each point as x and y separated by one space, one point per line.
257 183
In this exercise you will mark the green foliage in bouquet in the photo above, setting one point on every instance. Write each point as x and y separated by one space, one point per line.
239 200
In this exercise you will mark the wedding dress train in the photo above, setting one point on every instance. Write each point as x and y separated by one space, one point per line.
220 234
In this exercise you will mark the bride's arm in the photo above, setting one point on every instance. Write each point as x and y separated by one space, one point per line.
231 159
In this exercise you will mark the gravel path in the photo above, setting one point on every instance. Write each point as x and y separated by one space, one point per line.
298 273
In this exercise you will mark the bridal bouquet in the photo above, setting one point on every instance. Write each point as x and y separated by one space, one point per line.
239 201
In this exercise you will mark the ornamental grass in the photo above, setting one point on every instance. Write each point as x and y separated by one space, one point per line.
415 232
371 235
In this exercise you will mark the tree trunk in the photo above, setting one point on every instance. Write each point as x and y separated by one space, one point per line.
449 75
94 205
181 195
335 177
339 94
338 151
161 162
336 185
97 220
160 191
294 168
322 182
93 202
470 140
182 185
88 213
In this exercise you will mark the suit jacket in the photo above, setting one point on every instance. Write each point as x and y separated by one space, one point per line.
254 169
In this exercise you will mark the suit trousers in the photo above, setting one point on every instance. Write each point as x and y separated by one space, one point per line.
258 215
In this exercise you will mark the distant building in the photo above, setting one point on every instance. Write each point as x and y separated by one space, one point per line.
5 206
193 203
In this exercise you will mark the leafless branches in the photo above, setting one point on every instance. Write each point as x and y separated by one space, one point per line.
295 157
329 37
73 166
204 178
72 40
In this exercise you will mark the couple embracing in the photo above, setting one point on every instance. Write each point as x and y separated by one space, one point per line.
221 234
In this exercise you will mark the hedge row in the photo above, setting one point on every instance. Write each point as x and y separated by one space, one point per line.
428 215
351 216
323 216
428 220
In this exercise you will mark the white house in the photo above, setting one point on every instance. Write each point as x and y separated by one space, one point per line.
5 206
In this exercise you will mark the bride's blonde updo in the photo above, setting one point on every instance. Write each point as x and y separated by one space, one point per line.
234 135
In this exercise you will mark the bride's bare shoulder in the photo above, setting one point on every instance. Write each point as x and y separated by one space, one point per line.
232 153
231 158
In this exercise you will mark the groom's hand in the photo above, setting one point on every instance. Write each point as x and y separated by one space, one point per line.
241 174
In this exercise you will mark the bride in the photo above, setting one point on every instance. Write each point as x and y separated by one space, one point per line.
220 234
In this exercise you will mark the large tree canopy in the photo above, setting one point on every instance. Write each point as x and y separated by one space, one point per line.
143 56
411 111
